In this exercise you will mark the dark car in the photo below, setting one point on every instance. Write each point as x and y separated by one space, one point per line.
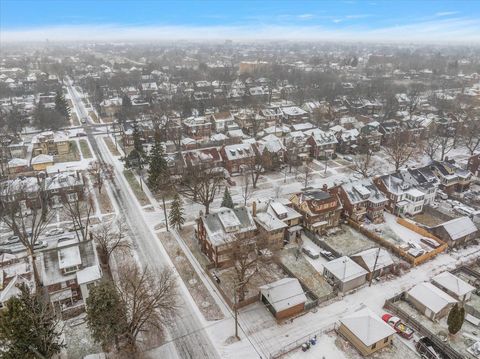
429 349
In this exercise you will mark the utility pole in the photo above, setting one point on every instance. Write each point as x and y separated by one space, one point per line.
165 213
374 267
326 161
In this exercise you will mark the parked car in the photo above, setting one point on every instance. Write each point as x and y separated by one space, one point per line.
40 244
348 158
13 239
429 349
327 255
396 323
311 251
430 242
442 195
54 232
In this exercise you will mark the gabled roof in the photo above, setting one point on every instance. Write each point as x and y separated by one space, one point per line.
367 326
284 293
459 227
453 283
431 297
345 269
371 260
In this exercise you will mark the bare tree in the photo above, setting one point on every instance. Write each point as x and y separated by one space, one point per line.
364 164
399 151
201 185
248 257
150 300
246 188
110 237
305 175
256 167
99 172
471 134
79 211
28 223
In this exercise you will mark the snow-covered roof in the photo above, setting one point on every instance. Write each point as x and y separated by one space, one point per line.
345 269
269 221
284 293
459 227
89 274
367 326
238 151
42 159
431 297
69 257
17 162
452 283
369 256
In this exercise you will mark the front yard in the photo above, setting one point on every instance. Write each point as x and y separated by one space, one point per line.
135 186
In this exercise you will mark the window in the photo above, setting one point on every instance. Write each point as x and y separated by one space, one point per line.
72 197
386 340
374 346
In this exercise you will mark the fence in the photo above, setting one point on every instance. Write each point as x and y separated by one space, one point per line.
225 297
415 324
298 343
414 261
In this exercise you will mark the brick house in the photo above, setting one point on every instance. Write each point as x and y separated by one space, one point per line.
69 271
362 199
216 230
451 177
203 158
322 144
236 157
197 127
320 209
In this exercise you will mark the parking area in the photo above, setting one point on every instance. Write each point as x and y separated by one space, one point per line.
401 236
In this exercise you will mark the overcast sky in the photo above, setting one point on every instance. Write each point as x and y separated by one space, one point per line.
365 20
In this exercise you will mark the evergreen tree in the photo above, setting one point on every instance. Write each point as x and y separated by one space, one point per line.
227 199
176 217
126 102
47 119
61 106
136 157
105 315
158 167
29 327
455 319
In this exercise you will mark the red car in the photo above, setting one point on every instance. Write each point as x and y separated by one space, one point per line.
397 324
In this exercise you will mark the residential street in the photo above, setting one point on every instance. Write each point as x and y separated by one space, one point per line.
187 334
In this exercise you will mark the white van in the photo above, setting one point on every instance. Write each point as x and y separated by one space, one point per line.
311 251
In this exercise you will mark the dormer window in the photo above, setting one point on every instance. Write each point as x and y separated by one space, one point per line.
70 270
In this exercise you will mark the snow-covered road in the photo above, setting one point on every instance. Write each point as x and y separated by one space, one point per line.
187 335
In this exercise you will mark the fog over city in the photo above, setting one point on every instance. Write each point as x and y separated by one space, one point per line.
239 179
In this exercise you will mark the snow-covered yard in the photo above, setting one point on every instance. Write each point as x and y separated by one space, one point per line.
348 241
467 336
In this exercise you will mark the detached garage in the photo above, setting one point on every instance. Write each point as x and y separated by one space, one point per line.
283 298
430 300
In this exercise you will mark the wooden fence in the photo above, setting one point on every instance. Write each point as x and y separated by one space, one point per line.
414 261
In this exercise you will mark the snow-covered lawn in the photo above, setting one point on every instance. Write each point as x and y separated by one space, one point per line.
195 286
348 241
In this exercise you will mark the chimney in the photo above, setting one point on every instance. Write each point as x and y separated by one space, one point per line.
254 208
